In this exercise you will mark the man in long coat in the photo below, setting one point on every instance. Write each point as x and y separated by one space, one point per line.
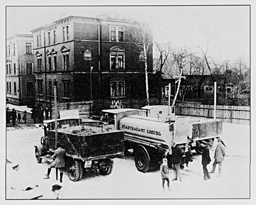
176 160
219 156
59 161
206 159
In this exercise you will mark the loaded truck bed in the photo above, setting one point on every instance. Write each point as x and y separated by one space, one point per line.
88 142
87 147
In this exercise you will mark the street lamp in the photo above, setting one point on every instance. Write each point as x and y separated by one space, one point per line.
88 57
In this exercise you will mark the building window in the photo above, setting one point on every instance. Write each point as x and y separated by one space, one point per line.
120 34
50 89
67 33
54 36
9 87
113 33
28 48
29 68
40 87
15 88
117 58
117 33
14 49
30 89
39 64
54 62
10 69
117 89
66 89
7 67
49 38
49 63
63 32
37 41
66 61
14 68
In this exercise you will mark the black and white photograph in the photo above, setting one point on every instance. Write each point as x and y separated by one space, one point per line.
125 102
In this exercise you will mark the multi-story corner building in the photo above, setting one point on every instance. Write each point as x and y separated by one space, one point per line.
19 69
89 59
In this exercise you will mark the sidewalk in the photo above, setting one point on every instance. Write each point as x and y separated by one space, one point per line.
19 108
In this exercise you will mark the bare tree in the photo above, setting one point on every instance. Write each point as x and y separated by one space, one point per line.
181 61
164 52
145 45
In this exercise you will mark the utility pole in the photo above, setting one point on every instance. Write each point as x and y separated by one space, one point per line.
215 100
169 101
56 112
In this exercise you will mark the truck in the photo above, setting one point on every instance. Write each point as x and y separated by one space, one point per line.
150 137
87 147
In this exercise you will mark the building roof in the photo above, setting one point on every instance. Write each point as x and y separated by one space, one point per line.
100 18
30 35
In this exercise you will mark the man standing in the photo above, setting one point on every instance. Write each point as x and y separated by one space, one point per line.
59 161
14 116
164 169
176 160
218 156
206 159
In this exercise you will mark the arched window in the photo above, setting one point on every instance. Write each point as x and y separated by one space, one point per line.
39 61
117 58
65 51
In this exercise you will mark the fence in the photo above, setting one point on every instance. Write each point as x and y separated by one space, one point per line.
230 114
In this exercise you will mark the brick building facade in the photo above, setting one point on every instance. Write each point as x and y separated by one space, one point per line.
113 71
19 69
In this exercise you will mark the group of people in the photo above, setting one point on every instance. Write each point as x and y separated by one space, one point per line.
12 116
219 156
40 113
175 158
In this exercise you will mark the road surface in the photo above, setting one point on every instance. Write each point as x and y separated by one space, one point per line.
125 182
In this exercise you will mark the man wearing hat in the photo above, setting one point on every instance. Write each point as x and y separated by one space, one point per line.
59 161
219 156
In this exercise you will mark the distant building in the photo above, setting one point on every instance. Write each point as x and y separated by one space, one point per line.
19 69
89 59
195 87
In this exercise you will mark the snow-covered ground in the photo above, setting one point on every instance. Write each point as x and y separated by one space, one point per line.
125 182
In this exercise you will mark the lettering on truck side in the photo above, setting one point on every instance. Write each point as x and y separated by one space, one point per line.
153 132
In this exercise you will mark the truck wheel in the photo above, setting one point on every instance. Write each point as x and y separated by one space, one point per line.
38 155
141 160
105 167
75 170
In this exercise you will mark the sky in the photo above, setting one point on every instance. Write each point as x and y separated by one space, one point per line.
221 31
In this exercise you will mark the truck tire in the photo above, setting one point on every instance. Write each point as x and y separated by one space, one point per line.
142 159
105 167
38 155
75 170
